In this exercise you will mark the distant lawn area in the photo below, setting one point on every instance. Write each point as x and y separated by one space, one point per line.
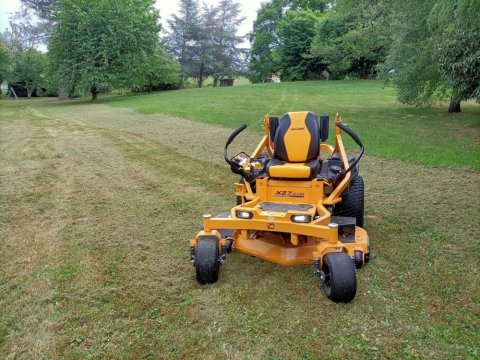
427 135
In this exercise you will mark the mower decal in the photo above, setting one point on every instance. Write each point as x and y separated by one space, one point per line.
272 214
289 194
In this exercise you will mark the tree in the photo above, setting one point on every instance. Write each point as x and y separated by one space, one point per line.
435 54
5 62
353 38
229 58
206 42
265 41
29 69
102 43
296 29
459 49
280 23
34 21
160 69
182 38
203 57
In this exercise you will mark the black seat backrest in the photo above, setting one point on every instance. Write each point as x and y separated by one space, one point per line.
297 137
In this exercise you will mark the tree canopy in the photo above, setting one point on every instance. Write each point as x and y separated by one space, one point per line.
5 61
102 43
435 53
29 69
205 41
428 50
304 39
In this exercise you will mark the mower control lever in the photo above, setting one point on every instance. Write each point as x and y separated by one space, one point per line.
354 163
236 168
350 132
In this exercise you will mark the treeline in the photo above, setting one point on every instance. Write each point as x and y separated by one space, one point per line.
429 49
314 39
96 45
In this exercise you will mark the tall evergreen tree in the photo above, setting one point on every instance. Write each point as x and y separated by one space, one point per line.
229 57
206 42
183 35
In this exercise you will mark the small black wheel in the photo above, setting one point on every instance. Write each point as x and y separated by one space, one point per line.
358 259
340 282
207 264
352 203
367 254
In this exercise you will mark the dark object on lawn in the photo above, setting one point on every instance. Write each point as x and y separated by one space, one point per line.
226 82
292 207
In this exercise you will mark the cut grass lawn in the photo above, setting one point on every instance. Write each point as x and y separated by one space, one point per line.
96 208
427 136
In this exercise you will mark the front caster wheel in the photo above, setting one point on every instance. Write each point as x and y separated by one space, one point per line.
358 259
207 264
340 282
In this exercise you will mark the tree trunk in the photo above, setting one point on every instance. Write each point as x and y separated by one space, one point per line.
454 106
94 92
29 91
215 81
200 76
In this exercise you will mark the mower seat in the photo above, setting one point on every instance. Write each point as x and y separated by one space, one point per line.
296 147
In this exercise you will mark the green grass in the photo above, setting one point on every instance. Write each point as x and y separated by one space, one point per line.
97 205
427 136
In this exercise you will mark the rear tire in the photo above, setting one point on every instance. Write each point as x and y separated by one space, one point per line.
207 265
353 203
340 283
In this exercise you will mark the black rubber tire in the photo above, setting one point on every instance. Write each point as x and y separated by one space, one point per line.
207 264
358 259
353 202
340 283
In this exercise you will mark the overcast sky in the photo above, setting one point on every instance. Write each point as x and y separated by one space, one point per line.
249 10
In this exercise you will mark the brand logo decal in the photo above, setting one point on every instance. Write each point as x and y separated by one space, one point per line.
289 194
271 226
298 128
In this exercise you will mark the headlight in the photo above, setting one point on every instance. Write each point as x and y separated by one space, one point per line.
301 218
244 214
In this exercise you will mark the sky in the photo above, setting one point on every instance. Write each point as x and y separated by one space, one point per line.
249 10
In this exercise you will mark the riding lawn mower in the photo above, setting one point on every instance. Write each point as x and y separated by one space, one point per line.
299 201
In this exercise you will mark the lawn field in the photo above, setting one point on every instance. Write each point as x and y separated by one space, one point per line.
98 201
427 136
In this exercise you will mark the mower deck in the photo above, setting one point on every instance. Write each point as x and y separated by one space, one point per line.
278 248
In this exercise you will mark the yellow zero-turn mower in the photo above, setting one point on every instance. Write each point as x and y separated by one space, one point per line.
293 207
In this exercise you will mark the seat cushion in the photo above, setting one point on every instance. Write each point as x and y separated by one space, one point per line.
282 169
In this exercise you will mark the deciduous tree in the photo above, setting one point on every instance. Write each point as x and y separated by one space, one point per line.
160 69
102 42
29 69
435 53
5 62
